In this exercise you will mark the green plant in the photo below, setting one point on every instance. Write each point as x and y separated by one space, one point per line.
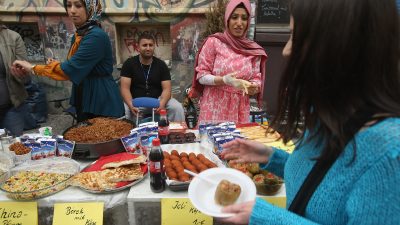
215 18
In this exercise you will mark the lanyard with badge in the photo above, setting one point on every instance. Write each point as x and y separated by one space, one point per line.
146 75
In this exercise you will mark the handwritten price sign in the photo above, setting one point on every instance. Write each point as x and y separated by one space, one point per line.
18 213
180 211
78 213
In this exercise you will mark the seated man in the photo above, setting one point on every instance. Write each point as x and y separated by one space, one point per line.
145 75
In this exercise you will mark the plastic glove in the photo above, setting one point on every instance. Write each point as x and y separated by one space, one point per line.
229 79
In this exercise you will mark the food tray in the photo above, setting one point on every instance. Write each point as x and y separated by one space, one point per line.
35 194
42 171
196 148
106 191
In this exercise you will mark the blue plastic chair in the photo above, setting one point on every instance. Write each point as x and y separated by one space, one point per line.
145 102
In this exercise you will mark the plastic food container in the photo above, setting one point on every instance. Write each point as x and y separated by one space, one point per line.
268 189
38 178
57 185
19 159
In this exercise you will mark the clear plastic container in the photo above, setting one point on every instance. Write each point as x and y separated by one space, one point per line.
40 178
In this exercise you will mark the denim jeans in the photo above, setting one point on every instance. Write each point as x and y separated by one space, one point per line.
14 120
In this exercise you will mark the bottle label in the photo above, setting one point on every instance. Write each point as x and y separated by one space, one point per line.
163 131
156 167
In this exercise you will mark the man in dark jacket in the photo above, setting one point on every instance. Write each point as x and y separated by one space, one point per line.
12 90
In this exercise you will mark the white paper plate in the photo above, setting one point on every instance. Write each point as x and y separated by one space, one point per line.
201 193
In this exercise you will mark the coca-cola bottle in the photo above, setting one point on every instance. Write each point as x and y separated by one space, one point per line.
156 164
163 127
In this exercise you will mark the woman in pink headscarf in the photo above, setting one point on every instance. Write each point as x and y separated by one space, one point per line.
229 68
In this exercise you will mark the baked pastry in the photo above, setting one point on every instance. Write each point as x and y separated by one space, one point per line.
137 160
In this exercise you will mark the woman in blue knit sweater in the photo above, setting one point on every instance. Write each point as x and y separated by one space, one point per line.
342 82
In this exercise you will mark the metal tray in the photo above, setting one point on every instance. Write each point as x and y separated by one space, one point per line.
95 150
106 191
196 148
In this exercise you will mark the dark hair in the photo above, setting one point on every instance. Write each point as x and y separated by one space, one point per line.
344 61
241 5
147 36
65 4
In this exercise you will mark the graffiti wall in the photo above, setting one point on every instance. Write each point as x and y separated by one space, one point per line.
176 24
128 36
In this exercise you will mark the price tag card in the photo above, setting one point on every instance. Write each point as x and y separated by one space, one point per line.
90 213
18 213
279 201
180 211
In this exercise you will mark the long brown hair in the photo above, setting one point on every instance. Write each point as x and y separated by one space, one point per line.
344 61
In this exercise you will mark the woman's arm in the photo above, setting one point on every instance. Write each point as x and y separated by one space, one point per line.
206 61
255 80
91 51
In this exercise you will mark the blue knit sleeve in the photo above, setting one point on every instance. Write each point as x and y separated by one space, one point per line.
90 52
276 163
378 192
265 213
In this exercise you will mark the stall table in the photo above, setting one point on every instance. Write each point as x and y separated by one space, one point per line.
115 204
145 206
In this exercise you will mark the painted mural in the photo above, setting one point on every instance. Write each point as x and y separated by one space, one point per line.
176 24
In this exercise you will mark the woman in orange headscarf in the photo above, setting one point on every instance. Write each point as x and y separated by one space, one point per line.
229 68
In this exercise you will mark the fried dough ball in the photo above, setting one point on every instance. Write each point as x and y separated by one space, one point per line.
174 157
192 168
174 152
184 177
175 162
195 161
201 167
167 162
200 156
184 154
179 169
166 155
211 165
172 175
184 159
169 170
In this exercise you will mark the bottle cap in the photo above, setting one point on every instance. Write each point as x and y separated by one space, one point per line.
156 142
163 112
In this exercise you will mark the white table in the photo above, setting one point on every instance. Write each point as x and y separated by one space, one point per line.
115 204
144 205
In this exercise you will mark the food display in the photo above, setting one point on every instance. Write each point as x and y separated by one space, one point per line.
25 185
175 163
98 130
181 138
259 133
111 173
108 178
266 182
19 149
40 178
191 156
227 193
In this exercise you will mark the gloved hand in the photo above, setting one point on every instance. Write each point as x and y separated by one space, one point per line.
229 79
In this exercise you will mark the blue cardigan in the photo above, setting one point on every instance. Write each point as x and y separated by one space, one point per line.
365 191
92 65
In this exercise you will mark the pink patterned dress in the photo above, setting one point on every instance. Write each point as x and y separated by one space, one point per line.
225 103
